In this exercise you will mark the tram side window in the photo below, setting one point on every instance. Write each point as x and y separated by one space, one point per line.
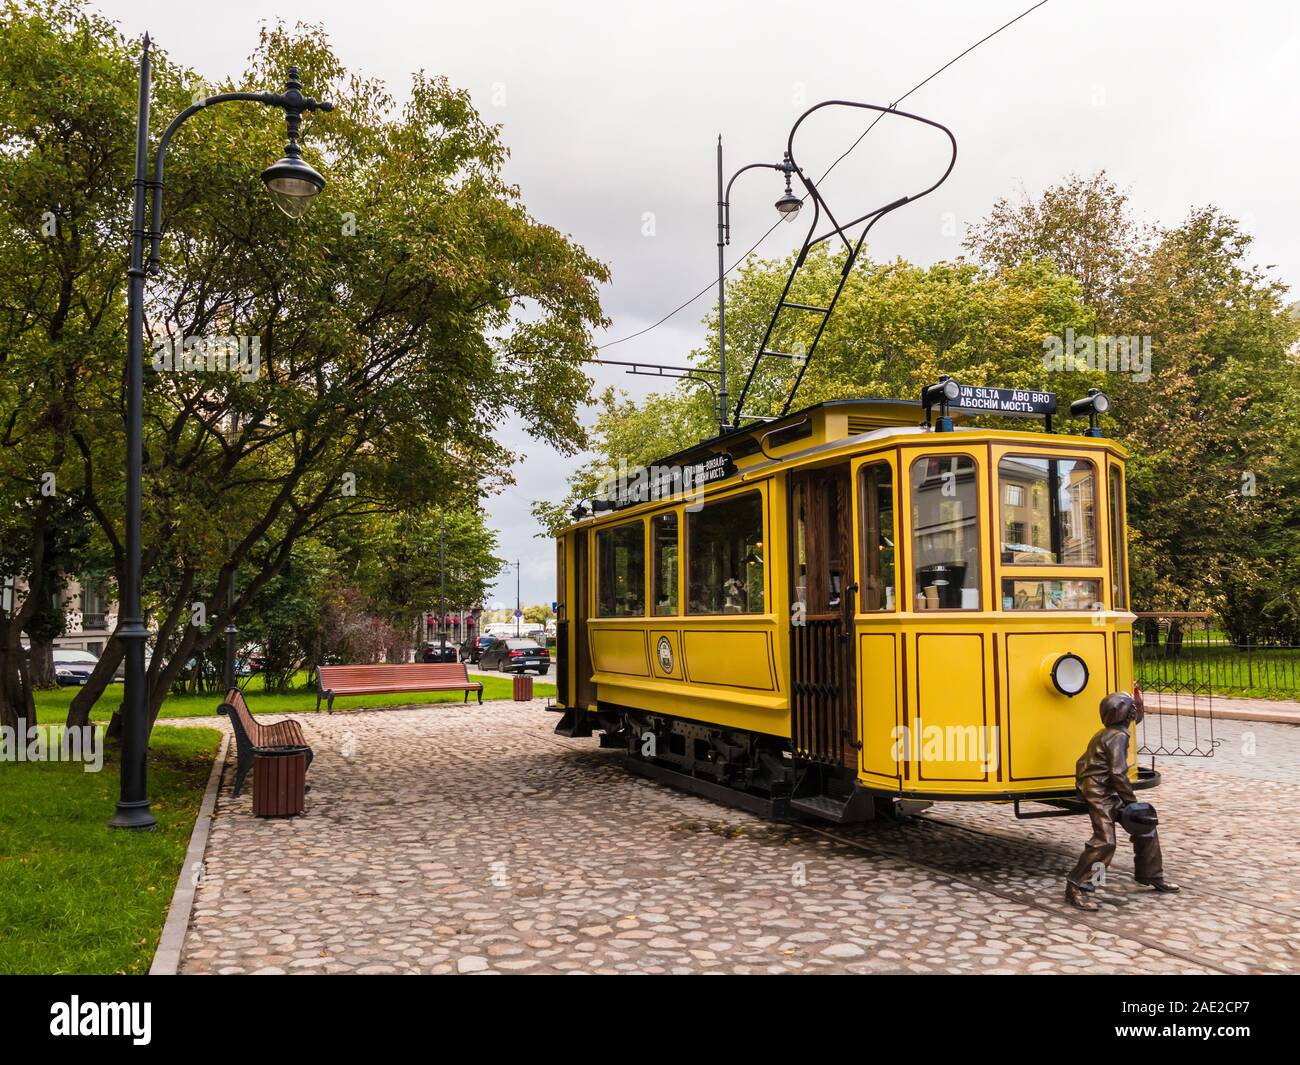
724 557
620 571
1118 563
877 501
945 531
1049 511
663 537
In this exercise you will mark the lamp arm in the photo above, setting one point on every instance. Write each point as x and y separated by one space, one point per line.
726 198
292 102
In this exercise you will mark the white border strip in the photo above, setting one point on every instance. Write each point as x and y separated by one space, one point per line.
167 958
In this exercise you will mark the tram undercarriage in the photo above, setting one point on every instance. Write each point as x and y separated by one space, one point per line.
752 771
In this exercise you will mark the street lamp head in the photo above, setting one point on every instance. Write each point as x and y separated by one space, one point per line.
788 205
293 184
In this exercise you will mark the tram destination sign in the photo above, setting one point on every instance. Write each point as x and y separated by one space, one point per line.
1017 402
627 486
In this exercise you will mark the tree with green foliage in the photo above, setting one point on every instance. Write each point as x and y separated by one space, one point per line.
412 310
408 562
1215 445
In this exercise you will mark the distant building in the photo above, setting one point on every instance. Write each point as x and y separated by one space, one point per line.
90 614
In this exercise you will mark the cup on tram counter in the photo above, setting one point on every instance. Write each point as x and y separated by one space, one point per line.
932 597
920 601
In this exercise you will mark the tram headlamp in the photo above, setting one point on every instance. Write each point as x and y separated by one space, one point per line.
940 394
1069 674
1092 406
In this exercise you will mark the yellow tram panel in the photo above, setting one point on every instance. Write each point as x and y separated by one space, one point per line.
1045 730
726 669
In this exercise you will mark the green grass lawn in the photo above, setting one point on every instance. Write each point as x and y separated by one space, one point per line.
1261 673
75 895
52 706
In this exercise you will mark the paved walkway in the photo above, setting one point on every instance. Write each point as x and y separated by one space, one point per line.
472 839
1225 708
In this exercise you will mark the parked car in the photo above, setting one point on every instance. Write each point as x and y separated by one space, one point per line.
73 668
436 652
472 650
516 655
119 674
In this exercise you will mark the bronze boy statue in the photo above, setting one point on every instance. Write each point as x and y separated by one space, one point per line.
1102 778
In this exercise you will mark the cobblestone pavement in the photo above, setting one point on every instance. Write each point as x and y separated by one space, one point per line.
472 840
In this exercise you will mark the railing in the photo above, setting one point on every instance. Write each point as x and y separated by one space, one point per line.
1176 684
1186 651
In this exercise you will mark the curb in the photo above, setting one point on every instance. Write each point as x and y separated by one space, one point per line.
167 956
1272 717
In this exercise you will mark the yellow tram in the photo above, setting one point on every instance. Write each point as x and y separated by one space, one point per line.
848 609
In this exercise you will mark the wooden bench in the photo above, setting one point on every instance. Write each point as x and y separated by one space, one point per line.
385 678
252 736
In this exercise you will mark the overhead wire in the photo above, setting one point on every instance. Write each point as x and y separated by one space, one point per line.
839 159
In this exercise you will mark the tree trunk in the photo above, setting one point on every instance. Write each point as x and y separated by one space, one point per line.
1174 642
40 665
15 698
100 677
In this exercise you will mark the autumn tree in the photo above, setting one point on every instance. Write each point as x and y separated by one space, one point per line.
415 307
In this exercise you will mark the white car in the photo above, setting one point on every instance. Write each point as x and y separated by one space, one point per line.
73 668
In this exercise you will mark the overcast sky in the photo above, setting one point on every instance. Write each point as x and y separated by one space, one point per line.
611 112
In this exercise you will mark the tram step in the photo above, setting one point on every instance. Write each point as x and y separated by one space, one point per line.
574 723
857 806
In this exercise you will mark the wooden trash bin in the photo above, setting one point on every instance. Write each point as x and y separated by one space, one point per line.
279 781
523 688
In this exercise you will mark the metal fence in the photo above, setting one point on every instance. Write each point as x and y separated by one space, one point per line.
1176 682
1186 652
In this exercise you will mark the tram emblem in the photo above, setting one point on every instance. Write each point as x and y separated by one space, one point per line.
665 650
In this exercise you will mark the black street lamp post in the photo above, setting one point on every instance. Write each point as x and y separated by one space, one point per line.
232 633
293 184
442 586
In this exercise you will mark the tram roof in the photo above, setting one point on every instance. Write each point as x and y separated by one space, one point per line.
820 427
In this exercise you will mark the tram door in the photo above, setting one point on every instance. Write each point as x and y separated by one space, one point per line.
586 690
823 721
